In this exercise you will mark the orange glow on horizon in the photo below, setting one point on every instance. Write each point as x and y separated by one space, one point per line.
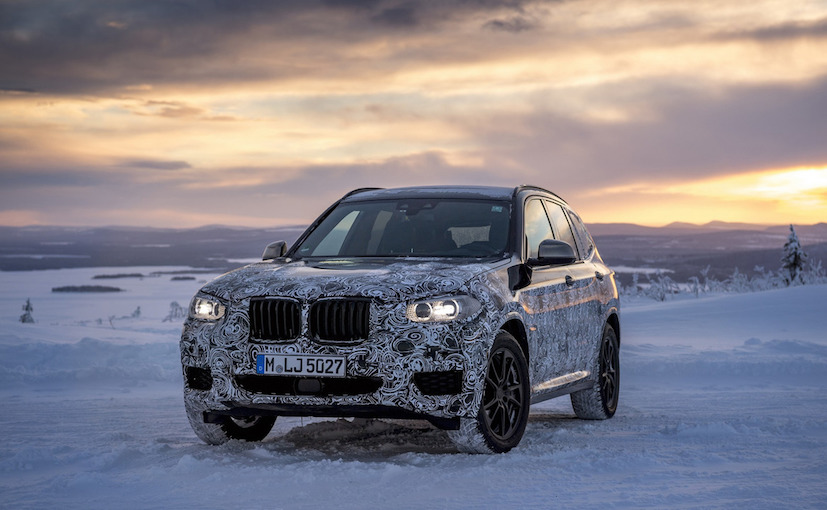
791 195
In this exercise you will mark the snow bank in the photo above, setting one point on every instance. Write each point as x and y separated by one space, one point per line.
89 362
728 320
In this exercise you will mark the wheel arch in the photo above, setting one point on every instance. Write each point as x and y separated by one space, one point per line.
614 322
516 328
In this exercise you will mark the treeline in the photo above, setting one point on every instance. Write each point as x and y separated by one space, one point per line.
796 269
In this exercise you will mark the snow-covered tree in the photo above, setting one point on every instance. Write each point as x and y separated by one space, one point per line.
662 287
765 280
815 274
176 311
792 263
27 318
738 282
694 285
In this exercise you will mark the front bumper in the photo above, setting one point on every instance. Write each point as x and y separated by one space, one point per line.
402 370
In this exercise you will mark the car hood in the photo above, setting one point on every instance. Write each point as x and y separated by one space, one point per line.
308 280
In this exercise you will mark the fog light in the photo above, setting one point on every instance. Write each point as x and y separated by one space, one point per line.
404 347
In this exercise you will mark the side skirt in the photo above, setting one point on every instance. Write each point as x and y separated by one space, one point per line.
560 386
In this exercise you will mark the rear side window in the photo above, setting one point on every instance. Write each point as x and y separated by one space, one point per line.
584 239
560 224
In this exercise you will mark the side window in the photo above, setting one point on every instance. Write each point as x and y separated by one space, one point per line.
583 237
537 227
560 223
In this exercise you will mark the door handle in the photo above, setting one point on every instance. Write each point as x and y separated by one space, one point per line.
569 280
598 275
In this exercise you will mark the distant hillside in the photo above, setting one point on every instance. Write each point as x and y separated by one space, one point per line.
684 249
812 233
27 248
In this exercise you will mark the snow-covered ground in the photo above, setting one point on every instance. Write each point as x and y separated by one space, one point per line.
723 405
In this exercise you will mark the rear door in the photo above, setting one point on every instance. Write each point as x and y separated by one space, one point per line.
583 294
545 300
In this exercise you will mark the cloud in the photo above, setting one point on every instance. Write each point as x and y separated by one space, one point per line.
18 184
9 90
816 29
693 132
410 170
112 101
156 164
169 109
101 47
403 16
254 196
514 25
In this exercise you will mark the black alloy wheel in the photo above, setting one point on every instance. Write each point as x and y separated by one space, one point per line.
609 371
505 400
599 402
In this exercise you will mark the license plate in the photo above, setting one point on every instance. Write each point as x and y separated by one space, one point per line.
298 364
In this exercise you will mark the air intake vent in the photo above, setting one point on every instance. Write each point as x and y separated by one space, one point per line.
340 320
439 383
274 319
324 386
198 378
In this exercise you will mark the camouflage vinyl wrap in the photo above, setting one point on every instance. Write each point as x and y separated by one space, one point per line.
225 347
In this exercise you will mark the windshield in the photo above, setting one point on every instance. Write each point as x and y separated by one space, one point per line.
411 228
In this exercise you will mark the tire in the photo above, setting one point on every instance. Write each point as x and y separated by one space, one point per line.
253 428
600 401
503 414
248 428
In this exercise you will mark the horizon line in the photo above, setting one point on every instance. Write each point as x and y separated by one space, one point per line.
673 224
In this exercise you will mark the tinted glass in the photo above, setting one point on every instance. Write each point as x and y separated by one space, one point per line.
537 227
411 228
560 224
584 239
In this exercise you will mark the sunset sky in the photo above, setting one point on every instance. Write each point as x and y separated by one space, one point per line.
261 113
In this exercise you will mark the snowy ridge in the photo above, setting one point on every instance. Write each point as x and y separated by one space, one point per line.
88 362
780 360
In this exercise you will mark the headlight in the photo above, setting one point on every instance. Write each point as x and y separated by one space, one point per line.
206 309
442 309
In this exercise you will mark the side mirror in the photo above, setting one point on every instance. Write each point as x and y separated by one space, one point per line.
554 253
274 250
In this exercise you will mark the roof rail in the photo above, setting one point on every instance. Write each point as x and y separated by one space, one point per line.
524 187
